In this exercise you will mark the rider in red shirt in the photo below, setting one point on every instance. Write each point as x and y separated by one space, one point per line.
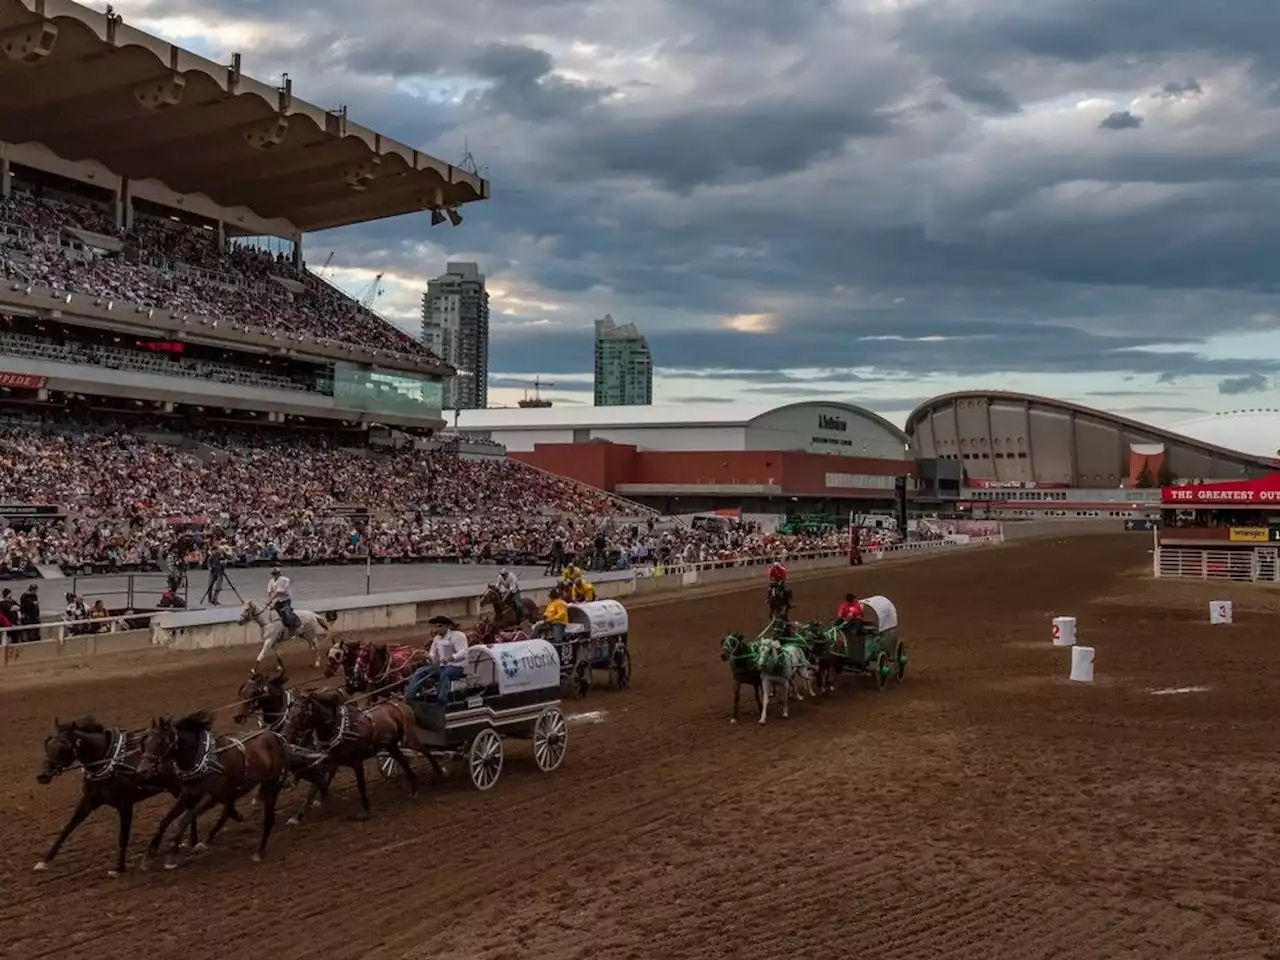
850 610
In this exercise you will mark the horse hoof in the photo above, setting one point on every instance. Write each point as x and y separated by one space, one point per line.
171 864
41 867
733 719
257 858
112 874
200 847
292 822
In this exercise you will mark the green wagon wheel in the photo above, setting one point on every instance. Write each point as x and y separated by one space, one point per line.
882 669
900 661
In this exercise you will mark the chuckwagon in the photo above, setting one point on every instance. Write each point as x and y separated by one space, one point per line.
507 691
596 638
871 645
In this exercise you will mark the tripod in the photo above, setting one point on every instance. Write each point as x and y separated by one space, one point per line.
214 580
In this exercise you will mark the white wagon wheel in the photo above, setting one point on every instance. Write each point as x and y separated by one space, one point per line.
550 739
484 759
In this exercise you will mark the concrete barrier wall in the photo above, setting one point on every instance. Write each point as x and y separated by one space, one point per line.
209 629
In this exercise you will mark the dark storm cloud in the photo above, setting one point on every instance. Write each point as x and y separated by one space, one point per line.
1120 120
1250 383
855 173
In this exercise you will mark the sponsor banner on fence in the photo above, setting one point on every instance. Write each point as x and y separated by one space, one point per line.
1249 535
22 381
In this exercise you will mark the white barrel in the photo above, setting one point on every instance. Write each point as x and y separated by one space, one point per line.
1220 611
1082 664
1064 631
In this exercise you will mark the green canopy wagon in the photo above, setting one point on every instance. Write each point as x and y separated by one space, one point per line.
872 645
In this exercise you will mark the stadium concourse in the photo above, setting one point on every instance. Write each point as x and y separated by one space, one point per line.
984 808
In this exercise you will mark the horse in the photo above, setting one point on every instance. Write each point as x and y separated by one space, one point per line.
267 697
736 651
821 645
274 631
212 767
487 633
782 665
368 667
109 758
779 599
506 613
348 737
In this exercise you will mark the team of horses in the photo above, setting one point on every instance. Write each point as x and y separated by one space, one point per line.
785 660
302 736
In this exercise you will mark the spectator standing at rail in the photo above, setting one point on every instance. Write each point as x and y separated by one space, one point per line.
217 563
29 612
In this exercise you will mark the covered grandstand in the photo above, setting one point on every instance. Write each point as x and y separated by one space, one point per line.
1017 439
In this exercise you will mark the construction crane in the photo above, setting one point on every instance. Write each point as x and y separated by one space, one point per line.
371 293
536 400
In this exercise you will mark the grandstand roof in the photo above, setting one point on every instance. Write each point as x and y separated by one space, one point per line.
656 416
88 86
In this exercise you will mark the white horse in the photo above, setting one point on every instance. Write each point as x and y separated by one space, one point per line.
782 666
273 629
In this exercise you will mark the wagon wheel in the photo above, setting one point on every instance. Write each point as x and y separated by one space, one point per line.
484 759
881 668
620 669
580 682
900 661
550 739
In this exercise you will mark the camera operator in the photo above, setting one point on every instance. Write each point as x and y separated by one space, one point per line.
217 564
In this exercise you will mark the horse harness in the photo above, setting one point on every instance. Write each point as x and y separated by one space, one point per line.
113 763
207 763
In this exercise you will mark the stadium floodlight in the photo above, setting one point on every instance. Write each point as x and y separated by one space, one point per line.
437 217
454 216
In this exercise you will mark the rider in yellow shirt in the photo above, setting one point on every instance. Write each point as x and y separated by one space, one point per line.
556 614
583 591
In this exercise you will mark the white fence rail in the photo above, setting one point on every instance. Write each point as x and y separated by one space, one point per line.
61 629
1260 565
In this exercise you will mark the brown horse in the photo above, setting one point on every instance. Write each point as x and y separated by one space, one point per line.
213 767
369 666
267 698
505 612
109 758
348 736
486 632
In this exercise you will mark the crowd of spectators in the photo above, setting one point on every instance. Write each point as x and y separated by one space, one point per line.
124 500
183 268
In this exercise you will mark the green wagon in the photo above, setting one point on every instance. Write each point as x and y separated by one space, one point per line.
873 646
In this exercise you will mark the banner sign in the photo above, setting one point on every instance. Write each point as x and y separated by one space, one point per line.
353 513
22 381
1249 535
18 510
1210 496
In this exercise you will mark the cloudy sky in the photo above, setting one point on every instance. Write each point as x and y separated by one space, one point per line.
868 200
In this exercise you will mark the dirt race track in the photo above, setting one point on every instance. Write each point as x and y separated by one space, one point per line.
987 808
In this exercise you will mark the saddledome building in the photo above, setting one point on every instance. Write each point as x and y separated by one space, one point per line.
1016 439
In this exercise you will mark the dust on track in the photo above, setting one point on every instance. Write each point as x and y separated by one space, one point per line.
986 808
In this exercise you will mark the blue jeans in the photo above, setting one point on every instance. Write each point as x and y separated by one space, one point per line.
443 676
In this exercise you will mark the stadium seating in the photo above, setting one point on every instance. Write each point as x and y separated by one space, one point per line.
176 267
126 496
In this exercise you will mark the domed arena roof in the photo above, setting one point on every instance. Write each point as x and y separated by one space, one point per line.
1255 432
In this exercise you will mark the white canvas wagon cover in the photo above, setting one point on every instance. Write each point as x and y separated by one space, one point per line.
884 613
521 666
603 618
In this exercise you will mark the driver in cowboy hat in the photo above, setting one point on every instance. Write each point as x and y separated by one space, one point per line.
446 659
